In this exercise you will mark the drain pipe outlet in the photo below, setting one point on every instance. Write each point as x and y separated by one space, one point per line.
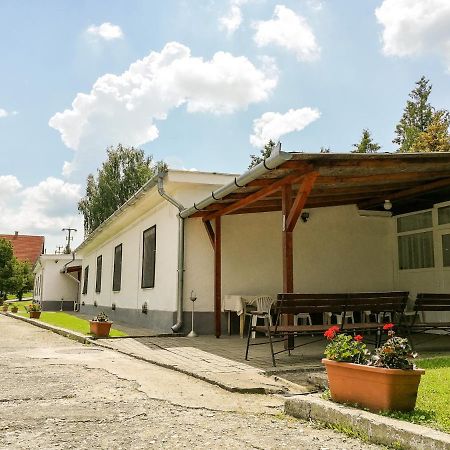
180 268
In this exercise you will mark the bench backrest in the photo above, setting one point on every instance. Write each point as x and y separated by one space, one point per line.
295 303
432 302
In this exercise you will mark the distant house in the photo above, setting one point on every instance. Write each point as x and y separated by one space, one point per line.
56 282
26 247
366 223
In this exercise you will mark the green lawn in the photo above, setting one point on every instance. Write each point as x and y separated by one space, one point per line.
25 295
432 407
64 320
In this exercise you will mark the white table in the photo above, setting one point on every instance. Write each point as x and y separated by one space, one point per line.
238 303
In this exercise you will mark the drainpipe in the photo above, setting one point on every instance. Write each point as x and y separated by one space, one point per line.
180 268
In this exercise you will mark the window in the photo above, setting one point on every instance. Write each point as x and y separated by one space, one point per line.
98 278
415 241
149 258
85 280
117 271
444 215
446 250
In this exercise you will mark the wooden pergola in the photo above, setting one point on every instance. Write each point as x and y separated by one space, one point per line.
409 181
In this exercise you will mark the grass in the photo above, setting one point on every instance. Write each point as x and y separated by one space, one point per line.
432 399
64 320
25 295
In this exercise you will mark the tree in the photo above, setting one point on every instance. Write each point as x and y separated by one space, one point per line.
436 137
6 267
366 144
325 150
125 171
264 154
416 118
22 279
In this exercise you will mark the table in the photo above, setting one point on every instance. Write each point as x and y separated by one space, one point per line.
238 303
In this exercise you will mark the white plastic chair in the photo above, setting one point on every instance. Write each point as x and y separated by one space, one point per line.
263 305
348 316
305 319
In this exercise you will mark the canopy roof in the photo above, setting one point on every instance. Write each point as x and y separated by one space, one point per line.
411 181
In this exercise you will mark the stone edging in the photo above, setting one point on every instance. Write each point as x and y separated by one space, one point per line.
375 428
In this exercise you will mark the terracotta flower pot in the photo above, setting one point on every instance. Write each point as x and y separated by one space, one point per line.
375 388
14 309
35 314
100 329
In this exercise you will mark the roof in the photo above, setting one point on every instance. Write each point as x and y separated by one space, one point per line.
26 247
411 181
147 197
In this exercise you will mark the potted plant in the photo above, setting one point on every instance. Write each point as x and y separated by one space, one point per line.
34 310
100 325
14 309
384 381
5 307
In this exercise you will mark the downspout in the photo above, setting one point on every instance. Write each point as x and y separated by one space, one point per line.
180 268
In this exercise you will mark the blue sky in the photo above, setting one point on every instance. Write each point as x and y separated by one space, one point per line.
337 66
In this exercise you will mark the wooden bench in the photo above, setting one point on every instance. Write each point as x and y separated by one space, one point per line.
292 304
429 302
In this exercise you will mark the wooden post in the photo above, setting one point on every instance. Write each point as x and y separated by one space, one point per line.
288 255
218 276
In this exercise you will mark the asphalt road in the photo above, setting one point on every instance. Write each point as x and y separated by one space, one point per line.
59 394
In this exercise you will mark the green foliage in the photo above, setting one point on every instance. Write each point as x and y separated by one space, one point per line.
101 317
33 307
264 154
344 348
395 353
325 150
422 128
6 267
366 144
124 172
22 279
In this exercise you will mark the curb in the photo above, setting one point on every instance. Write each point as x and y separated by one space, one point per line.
366 425
61 331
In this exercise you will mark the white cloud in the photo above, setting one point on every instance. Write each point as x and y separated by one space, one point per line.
123 108
233 19
106 31
4 113
42 209
415 27
272 125
290 31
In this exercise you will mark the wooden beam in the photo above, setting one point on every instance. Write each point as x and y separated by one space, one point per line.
264 192
218 276
210 232
300 200
411 192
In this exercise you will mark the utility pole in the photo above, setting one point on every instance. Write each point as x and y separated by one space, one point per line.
59 249
69 238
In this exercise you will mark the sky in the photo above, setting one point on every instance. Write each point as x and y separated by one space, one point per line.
200 84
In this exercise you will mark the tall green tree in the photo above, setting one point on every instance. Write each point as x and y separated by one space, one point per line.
6 267
22 279
366 144
263 154
125 171
416 118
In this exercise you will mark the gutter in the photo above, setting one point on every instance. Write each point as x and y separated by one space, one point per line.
272 162
180 267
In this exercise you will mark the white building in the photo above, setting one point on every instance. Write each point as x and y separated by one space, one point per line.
56 283
218 234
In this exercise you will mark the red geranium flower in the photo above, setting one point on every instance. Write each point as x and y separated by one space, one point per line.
388 326
358 338
331 332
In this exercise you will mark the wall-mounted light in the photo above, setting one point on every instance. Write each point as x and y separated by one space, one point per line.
387 205
304 217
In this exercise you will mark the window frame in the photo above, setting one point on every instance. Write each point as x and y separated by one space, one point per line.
151 285
85 280
116 288
98 274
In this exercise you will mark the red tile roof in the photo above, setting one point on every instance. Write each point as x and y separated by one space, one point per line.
26 248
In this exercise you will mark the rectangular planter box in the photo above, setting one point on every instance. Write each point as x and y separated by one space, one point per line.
375 388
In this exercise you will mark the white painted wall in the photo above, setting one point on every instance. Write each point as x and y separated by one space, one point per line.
337 250
55 286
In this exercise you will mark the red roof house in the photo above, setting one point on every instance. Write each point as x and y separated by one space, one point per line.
26 247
